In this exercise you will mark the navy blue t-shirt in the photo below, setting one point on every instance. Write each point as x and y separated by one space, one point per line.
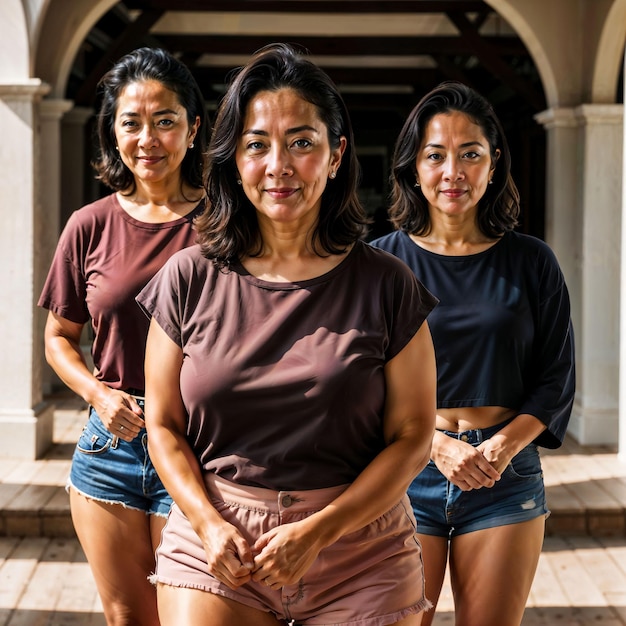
502 330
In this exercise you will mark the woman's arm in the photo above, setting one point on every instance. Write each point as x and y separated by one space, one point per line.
228 553
65 356
409 420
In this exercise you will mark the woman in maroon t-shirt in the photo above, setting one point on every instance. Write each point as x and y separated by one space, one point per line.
290 378
153 133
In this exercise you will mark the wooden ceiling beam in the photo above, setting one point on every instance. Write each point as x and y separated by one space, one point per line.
365 76
340 46
490 57
124 43
311 6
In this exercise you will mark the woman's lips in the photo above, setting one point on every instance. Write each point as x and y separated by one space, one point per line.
281 193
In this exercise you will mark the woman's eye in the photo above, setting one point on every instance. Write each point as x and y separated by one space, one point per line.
302 143
254 145
471 155
434 157
166 123
128 123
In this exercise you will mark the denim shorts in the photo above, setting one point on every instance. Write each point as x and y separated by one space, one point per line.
370 577
444 510
114 471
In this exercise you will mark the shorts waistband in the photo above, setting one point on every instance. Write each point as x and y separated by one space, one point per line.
477 435
268 499
137 393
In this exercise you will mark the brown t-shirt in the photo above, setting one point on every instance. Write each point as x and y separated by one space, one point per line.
284 382
103 259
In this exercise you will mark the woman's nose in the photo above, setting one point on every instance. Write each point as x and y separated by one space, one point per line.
453 169
147 137
279 163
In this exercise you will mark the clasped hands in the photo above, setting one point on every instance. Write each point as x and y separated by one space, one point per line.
470 467
278 558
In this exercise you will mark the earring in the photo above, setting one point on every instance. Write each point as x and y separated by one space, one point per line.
191 145
332 175
491 181
417 184
239 181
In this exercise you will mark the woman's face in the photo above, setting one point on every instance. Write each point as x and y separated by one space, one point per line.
152 132
454 165
284 158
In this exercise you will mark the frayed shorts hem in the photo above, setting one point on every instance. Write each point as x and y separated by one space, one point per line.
378 620
434 531
124 505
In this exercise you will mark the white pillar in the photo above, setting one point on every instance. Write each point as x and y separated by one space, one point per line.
564 212
622 359
25 420
75 160
48 220
583 216
601 138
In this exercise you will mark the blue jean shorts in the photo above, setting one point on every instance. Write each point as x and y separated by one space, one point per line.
114 471
444 510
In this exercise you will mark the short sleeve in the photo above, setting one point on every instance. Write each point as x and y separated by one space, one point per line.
411 305
65 290
161 298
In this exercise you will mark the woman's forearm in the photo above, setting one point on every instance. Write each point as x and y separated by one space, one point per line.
380 486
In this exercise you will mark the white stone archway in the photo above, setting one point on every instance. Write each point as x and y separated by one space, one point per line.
578 49
610 56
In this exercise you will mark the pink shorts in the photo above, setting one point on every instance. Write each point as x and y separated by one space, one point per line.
371 577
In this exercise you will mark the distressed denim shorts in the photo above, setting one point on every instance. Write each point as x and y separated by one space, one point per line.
114 471
443 510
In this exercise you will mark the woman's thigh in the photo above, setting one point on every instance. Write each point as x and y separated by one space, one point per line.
182 605
435 557
119 546
492 571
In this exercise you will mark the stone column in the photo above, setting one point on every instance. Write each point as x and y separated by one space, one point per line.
564 210
622 360
75 161
583 227
48 221
601 133
25 419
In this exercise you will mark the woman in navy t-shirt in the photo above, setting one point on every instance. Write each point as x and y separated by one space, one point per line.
504 349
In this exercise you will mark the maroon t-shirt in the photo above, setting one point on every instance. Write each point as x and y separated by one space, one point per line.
103 259
284 382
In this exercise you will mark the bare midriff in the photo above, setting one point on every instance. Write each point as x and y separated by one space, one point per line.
470 418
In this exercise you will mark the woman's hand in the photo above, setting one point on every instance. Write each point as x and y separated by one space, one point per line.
462 464
229 556
120 413
284 554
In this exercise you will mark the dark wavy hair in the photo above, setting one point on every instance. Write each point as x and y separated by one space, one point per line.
498 209
230 229
140 65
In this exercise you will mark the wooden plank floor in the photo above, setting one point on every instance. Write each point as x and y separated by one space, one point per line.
581 579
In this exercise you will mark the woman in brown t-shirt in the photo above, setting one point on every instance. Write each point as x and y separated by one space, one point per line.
153 133
290 378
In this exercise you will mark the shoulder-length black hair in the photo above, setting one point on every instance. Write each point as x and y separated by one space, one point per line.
141 65
229 229
498 209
